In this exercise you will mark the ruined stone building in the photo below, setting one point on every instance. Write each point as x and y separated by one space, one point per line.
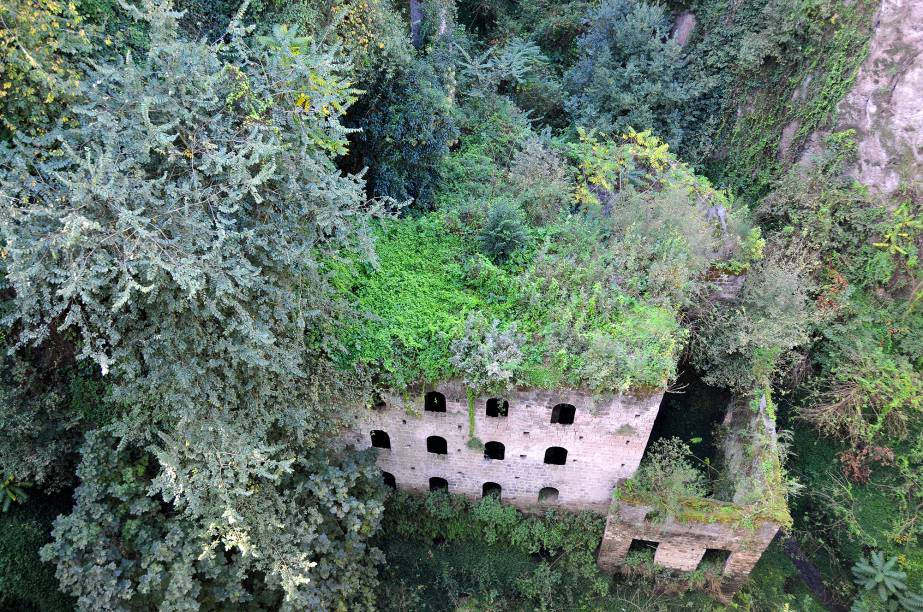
732 531
537 449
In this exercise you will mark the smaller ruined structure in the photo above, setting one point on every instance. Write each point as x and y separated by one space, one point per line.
733 549
726 533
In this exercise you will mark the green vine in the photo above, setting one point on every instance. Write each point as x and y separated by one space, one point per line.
473 441
409 406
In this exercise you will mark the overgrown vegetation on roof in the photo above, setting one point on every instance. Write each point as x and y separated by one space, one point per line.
595 282
751 484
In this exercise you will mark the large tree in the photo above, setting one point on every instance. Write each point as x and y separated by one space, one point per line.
630 72
177 232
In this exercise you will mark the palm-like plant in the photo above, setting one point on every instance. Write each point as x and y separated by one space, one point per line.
881 577
12 491
913 602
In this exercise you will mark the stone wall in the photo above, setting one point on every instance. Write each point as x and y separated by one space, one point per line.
681 546
884 103
728 286
604 444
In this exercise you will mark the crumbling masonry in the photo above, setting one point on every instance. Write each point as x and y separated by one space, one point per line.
537 449
682 546
602 439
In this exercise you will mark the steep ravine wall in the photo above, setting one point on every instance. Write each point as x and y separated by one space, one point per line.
885 104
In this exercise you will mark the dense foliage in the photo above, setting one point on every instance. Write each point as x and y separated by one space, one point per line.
41 43
486 555
173 235
219 241
629 73
168 558
25 582
564 576
668 477
596 290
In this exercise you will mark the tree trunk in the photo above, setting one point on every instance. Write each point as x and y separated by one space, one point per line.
416 19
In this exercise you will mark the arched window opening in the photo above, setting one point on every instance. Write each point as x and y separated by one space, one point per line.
380 439
437 445
491 488
556 455
644 548
388 477
548 495
563 414
494 450
438 484
497 407
714 560
434 402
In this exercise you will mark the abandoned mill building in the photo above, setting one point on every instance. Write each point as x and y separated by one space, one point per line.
572 450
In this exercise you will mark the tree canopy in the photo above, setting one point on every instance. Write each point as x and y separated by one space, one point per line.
173 234
228 228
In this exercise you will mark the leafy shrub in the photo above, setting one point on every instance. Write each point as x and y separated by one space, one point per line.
869 395
637 353
666 478
330 503
175 234
499 67
820 211
539 179
407 127
116 31
427 283
209 19
504 231
413 301
27 584
663 243
486 355
881 579
554 24
666 226
41 42
46 403
493 129
630 72
543 96
743 345
522 560
371 33
12 491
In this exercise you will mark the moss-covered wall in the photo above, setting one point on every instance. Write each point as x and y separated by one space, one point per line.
682 545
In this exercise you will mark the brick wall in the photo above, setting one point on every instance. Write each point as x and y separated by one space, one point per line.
681 546
604 444
728 286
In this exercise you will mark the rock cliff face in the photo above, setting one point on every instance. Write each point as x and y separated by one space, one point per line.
885 105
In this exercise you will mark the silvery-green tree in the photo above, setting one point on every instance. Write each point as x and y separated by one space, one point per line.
177 231
630 73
